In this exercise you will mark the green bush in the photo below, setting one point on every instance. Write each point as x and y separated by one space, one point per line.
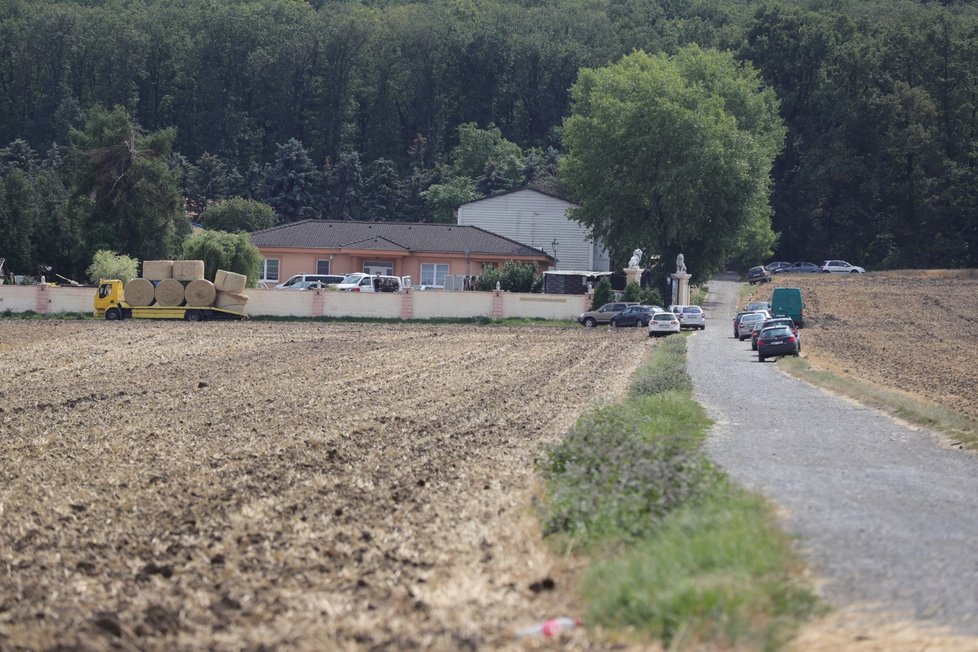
651 297
109 264
238 214
633 292
517 277
618 471
602 293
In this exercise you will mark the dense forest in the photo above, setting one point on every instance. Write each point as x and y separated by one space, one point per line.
385 109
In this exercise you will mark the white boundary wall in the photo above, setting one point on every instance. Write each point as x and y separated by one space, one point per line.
320 303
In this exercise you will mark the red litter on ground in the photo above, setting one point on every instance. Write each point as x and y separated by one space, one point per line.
550 628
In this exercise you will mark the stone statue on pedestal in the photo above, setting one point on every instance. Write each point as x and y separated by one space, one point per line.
680 264
636 258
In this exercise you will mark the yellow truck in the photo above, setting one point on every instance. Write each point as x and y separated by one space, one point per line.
110 303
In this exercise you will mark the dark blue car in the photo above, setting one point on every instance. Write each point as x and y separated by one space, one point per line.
776 341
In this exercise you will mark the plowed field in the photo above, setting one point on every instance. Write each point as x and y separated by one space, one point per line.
913 331
283 485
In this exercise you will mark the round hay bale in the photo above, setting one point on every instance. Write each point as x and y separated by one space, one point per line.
200 293
188 270
230 281
169 292
157 270
139 292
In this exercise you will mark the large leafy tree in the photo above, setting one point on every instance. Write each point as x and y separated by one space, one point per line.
238 214
137 207
673 154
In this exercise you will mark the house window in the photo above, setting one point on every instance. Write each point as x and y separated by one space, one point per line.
434 274
322 267
269 269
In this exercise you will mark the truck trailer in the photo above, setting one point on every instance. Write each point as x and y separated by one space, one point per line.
110 303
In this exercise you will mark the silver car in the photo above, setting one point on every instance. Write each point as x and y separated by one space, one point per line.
746 324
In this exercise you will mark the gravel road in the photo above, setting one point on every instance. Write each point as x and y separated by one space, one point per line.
887 515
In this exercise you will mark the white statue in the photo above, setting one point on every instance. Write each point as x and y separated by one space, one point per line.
680 264
636 258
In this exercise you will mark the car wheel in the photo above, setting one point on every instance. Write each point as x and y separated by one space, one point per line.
854 271
761 358
590 323
753 347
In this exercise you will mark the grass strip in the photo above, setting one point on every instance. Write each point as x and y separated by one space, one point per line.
678 552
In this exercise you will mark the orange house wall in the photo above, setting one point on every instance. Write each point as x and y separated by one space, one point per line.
303 261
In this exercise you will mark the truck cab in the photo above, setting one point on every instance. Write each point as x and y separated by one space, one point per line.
109 302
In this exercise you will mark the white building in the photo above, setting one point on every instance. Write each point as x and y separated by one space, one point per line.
538 220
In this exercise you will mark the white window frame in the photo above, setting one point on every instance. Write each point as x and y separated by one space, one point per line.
430 277
265 267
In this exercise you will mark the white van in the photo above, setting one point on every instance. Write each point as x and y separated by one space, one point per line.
362 282
325 279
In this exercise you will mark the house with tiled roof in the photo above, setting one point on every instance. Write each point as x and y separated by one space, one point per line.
427 252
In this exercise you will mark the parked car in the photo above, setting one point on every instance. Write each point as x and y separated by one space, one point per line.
325 279
840 267
754 306
758 275
787 302
776 341
603 315
773 321
736 319
361 282
803 268
778 267
634 316
689 316
663 323
746 323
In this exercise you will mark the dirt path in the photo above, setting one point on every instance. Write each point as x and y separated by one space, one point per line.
886 514
300 486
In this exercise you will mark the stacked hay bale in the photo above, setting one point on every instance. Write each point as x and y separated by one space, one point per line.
230 290
175 283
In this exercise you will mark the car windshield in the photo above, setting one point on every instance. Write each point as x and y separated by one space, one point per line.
352 278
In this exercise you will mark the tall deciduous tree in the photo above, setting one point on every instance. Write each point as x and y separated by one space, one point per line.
233 252
238 214
674 154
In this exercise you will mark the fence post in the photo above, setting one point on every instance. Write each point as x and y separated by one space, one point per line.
41 301
318 303
407 304
497 304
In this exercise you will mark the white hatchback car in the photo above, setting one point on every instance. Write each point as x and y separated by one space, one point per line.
841 267
663 323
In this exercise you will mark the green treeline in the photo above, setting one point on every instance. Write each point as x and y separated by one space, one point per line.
361 110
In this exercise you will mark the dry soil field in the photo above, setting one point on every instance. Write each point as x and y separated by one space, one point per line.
283 485
911 331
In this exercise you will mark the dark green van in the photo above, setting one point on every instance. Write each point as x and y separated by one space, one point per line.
787 301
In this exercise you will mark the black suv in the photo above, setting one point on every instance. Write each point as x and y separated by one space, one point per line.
635 316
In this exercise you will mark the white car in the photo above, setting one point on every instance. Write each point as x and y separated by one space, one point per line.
840 267
690 316
746 324
663 323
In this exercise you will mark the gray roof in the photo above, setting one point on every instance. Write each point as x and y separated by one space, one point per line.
391 236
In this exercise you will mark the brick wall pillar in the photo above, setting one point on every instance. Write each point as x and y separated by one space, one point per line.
407 304
318 303
497 305
43 299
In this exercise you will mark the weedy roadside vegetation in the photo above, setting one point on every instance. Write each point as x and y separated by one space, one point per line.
36 316
678 552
